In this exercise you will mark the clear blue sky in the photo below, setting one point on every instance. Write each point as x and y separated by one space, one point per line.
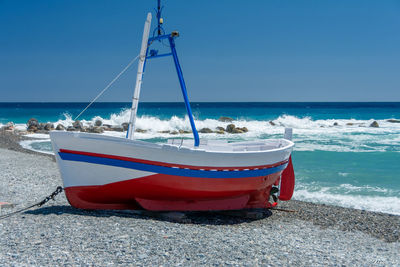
230 50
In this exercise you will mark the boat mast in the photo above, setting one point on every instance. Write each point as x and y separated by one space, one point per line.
146 54
139 76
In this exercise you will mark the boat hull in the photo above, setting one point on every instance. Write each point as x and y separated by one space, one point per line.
101 172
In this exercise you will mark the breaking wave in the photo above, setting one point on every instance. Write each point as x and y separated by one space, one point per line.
385 204
341 135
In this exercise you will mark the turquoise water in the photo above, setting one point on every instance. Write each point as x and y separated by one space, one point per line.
349 164
21 112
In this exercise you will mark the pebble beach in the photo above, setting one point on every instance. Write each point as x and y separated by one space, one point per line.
58 234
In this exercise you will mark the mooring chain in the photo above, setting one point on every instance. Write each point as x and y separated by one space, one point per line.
39 204
51 197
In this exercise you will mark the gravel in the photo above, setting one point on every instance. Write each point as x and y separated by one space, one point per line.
58 234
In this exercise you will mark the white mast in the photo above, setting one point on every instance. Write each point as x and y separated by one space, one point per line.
136 94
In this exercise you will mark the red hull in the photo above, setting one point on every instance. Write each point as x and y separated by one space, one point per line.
168 192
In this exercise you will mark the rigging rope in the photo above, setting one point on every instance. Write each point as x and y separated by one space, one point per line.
108 86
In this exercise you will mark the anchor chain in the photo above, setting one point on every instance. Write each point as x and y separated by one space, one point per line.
39 204
51 197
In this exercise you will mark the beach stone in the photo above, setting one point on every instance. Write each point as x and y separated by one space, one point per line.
141 131
41 126
60 127
335 124
225 119
167 131
98 122
205 130
70 129
106 127
272 123
244 129
374 124
48 126
230 128
32 129
32 123
350 124
174 132
9 126
77 124
393 121
219 128
117 128
42 131
184 132
220 132
125 125
237 131
95 129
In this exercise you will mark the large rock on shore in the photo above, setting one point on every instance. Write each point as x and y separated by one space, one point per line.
244 129
60 127
205 130
9 126
95 129
225 119
77 125
125 125
48 126
98 122
32 125
393 121
117 128
106 127
230 128
374 124
237 131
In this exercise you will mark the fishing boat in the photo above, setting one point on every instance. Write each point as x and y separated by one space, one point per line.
105 172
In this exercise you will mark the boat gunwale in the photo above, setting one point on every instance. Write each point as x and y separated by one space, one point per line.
95 136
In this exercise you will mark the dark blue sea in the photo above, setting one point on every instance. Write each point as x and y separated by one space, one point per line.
338 159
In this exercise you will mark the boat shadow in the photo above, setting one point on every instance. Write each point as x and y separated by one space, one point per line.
186 217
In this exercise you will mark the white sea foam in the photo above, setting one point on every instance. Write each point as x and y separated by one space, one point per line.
372 203
363 188
39 136
349 135
27 144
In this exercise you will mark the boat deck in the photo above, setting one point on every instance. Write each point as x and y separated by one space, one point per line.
224 145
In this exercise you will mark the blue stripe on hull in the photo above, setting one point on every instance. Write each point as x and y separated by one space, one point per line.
169 170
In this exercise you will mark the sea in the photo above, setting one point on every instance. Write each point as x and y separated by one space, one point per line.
338 158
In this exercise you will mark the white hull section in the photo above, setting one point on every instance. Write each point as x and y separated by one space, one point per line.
218 154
